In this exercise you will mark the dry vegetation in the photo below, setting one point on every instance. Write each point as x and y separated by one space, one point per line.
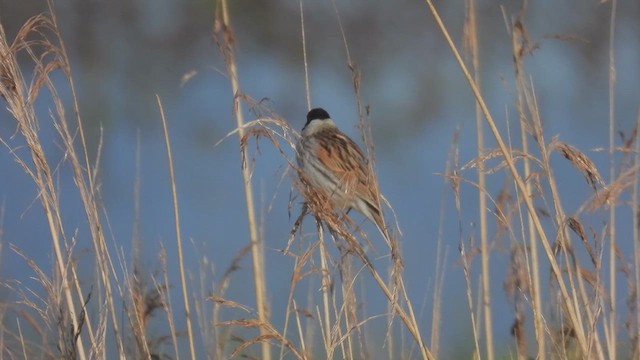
577 318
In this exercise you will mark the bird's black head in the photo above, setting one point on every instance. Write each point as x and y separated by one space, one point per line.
317 114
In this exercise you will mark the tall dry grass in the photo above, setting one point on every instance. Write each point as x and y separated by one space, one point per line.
578 318
584 322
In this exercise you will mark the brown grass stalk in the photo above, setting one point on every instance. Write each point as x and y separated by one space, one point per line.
396 266
471 42
19 97
634 332
223 21
336 224
440 265
304 57
85 179
572 307
303 348
84 176
578 298
327 290
580 318
176 218
612 333
438 284
464 255
520 45
348 310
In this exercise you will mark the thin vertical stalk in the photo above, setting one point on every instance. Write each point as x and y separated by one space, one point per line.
518 42
326 289
538 317
304 56
579 301
636 242
42 175
469 293
572 309
87 195
611 340
324 263
471 35
440 265
176 215
299 324
257 250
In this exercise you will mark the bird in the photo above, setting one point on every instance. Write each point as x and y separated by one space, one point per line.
333 165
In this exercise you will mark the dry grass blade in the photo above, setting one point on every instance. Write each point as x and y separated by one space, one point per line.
609 194
574 315
20 99
633 303
594 280
320 207
268 334
577 228
517 287
497 153
178 230
228 303
579 160
222 28
568 293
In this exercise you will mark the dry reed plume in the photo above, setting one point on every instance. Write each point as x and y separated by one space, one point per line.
565 270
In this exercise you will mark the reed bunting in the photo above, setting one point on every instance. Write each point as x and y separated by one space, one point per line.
332 164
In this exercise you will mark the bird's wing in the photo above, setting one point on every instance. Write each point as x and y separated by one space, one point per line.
343 158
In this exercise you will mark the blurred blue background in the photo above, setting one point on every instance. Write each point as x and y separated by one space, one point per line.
125 52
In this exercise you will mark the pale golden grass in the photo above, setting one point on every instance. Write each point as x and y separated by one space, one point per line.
577 319
224 37
60 317
471 47
176 216
20 95
632 324
342 228
520 47
584 322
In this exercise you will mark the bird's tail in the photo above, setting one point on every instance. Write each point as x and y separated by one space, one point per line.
377 217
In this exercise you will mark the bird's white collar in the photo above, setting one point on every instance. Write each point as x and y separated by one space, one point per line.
317 125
